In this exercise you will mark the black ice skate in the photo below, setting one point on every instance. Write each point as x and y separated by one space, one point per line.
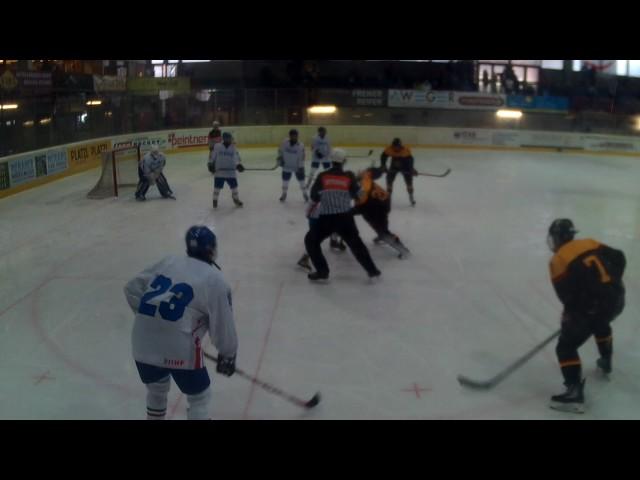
411 199
394 242
403 251
215 203
604 364
283 197
237 202
318 277
304 262
140 198
374 276
571 401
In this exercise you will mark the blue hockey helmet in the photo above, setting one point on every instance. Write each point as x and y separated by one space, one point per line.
201 243
226 136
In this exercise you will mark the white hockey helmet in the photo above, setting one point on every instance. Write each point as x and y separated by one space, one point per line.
338 155
155 149
216 124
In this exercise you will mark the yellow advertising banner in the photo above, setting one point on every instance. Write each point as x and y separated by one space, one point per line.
153 86
87 155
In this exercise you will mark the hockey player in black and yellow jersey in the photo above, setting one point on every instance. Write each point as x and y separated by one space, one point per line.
374 204
401 162
587 277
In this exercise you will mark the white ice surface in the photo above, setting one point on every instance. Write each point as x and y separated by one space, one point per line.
472 299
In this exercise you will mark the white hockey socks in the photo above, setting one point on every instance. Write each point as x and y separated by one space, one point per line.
157 394
199 405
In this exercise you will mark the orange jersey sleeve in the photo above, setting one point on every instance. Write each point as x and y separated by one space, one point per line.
366 184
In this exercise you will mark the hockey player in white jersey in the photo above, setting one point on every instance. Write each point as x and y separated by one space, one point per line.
152 165
291 158
320 151
225 161
176 302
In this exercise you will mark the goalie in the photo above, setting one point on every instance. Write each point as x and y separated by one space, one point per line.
150 173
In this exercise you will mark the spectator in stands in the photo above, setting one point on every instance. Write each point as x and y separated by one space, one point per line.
494 83
485 81
424 86
509 80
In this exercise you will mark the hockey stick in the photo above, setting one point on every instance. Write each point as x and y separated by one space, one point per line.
361 156
488 384
261 169
271 389
434 175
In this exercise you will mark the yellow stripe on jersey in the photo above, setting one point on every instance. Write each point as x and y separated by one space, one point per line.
570 363
568 253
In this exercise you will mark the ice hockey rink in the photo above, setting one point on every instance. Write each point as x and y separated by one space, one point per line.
474 296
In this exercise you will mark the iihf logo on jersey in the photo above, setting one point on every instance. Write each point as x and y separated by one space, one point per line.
173 363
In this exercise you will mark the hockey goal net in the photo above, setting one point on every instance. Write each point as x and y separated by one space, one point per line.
119 169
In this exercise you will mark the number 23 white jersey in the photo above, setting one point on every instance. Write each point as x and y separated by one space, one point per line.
176 302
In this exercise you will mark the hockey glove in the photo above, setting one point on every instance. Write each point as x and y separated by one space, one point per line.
226 365
414 172
240 167
212 167
280 161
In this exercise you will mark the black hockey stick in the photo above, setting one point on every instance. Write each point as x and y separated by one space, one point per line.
361 156
434 175
271 389
488 384
261 169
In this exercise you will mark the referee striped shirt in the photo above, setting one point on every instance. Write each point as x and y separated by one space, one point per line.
335 189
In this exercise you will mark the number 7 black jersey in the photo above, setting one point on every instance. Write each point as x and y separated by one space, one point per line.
587 277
